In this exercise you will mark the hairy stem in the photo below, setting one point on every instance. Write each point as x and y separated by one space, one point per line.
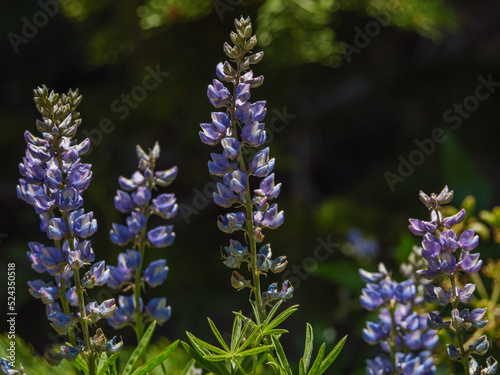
84 323
392 342
460 339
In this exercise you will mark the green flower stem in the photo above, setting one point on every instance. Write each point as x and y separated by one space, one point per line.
139 324
139 327
65 303
81 301
392 342
460 339
84 323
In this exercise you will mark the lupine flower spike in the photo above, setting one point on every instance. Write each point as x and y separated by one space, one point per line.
401 329
238 128
449 254
136 199
53 182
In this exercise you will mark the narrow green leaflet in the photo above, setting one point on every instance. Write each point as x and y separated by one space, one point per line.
308 348
205 345
198 352
81 365
156 361
236 335
139 351
281 317
332 356
273 312
218 335
105 363
319 359
189 367
281 355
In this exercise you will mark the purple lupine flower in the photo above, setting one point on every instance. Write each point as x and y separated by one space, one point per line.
440 252
156 273
401 328
125 313
158 310
96 275
47 292
120 234
6 367
238 130
123 201
165 206
137 199
218 94
271 218
220 165
162 236
236 253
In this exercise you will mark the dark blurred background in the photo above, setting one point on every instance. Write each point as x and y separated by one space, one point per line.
352 88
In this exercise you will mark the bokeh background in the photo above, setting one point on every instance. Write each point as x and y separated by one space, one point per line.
352 86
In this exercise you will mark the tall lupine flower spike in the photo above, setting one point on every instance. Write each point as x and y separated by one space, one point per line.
238 129
400 330
136 199
53 181
449 254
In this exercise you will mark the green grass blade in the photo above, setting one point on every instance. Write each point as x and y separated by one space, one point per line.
156 361
139 350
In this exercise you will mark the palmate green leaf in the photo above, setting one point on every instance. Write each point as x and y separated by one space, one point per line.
218 335
139 350
105 363
308 348
250 339
156 361
332 356
81 365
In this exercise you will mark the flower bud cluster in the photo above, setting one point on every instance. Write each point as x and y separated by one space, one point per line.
400 329
440 246
53 181
240 129
136 199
